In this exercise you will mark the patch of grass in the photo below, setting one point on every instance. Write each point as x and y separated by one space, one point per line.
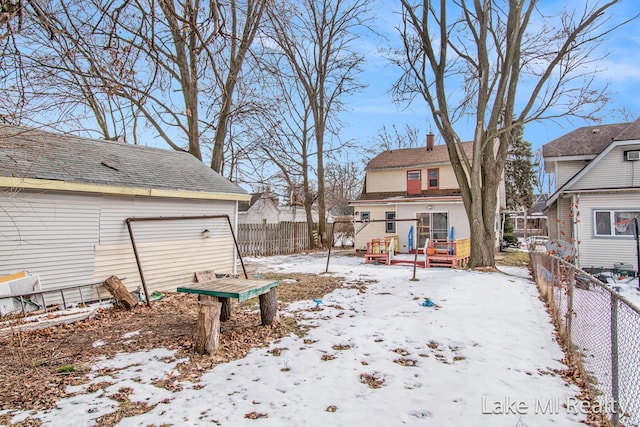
513 258
66 369
294 327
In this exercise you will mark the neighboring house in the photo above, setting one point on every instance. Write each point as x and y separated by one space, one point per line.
408 184
265 208
262 208
64 201
536 219
597 176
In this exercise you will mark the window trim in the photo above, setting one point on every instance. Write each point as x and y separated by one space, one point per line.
613 214
414 182
437 179
366 214
390 226
418 172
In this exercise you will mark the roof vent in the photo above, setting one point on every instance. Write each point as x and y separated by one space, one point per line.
595 131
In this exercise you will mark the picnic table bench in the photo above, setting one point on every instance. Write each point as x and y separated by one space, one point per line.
210 307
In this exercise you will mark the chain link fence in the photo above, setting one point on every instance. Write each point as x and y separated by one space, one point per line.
600 329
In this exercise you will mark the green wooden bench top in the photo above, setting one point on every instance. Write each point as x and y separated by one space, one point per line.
242 289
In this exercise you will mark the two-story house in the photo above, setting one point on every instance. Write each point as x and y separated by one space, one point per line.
597 178
416 185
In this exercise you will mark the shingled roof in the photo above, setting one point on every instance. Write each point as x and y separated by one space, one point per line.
591 140
37 154
410 157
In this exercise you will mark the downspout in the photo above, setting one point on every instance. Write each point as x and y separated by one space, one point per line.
235 253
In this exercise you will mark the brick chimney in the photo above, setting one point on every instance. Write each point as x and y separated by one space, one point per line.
430 139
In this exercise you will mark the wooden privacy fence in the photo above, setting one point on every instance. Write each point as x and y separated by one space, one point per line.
273 239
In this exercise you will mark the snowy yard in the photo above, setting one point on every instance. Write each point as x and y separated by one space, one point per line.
483 355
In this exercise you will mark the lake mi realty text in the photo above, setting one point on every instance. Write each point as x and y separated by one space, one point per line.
550 405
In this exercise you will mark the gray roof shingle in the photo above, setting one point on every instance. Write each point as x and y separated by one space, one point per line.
33 153
591 140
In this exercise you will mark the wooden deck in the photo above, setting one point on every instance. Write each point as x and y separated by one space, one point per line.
448 254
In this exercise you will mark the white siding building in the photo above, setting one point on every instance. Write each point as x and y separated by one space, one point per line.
416 187
597 192
64 202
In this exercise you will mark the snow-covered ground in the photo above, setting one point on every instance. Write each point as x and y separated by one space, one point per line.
377 355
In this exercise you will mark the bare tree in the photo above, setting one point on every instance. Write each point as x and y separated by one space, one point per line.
486 62
285 139
317 39
170 66
344 182
409 137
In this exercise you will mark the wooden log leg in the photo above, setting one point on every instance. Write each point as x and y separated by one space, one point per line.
120 293
225 311
269 307
207 337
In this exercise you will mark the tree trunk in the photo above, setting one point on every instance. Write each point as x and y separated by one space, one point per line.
207 337
322 217
269 307
225 310
120 293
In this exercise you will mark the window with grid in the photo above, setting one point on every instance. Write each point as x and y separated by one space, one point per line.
390 226
414 182
434 178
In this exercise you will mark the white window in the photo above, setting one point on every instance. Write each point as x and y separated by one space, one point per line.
413 176
613 223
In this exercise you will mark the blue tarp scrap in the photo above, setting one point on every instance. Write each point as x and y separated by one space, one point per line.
428 303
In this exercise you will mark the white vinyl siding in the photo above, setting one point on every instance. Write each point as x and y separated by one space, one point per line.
612 171
456 214
455 211
372 230
170 251
604 251
567 170
166 265
80 238
49 234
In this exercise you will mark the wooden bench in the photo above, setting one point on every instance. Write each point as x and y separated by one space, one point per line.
209 292
378 252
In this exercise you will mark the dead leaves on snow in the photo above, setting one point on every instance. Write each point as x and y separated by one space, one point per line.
30 360
372 380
